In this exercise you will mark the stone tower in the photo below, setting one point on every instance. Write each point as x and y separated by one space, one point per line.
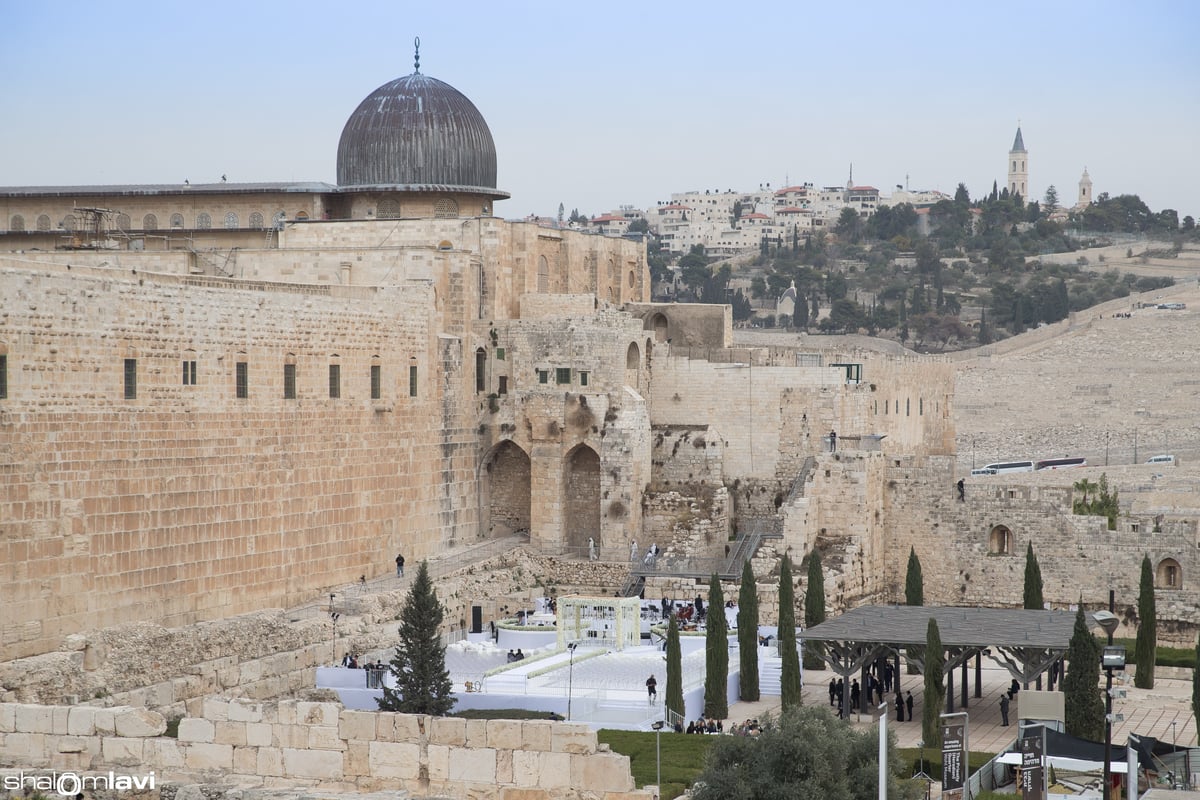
1018 167
1085 191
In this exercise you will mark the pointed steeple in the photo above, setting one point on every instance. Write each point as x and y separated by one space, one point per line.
1018 143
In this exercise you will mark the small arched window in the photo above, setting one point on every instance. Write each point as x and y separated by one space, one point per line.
43 222
68 222
203 221
633 356
389 208
256 220
177 220
1169 575
1000 541
18 223
543 280
301 215
123 222
231 221
445 208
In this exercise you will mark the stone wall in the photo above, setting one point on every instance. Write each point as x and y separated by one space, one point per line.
687 324
323 746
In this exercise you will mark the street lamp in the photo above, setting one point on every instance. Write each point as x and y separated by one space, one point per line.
658 726
570 676
1113 657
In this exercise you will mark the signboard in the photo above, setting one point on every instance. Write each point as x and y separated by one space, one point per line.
954 760
1032 781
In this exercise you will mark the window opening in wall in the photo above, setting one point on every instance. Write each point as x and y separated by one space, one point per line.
231 220
335 380
150 222
445 208
131 379
503 384
376 381
412 380
583 378
242 372
1134 527
189 373
43 222
18 224
1170 576
1000 541
499 353
543 376
289 381
907 407
256 219
562 375
203 220
3 377
1012 494
480 369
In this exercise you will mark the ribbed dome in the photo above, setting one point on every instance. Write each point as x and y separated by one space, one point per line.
417 131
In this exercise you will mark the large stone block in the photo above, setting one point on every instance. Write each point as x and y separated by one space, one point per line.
601 772
245 711
477 733
163 754
192 729
122 752
209 756
233 733
258 734
270 761
81 721
8 717
320 764
473 765
359 725
356 761
513 793
72 744
245 760
216 708
106 721
504 767
324 737
140 722
451 731
34 719
318 713
394 760
504 734
537 735
567 738
410 727
555 770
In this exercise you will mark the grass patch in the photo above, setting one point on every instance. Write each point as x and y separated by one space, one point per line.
682 757
1163 656
504 713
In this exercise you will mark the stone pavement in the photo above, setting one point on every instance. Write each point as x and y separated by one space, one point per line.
1147 712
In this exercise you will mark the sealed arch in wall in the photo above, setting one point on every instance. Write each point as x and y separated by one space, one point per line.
504 491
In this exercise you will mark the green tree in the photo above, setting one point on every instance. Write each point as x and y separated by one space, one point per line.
1050 201
418 665
935 688
814 609
716 663
1147 633
674 696
1033 581
806 754
961 195
1083 705
790 678
914 582
849 225
747 622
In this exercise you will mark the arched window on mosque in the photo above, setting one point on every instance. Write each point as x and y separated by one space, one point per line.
43 222
301 215
256 220
123 222
446 208
203 221
177 220
389 208
68 222
17 224
231 221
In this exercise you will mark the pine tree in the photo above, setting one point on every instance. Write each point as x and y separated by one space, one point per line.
418 665
747 624
716 645
814 609
935 689
674 698
790 678
1083 705
914 581
1147 633
1033 581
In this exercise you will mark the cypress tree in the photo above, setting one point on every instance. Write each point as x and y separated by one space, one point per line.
1147 634
1083 705
1033 581
747 624
674 698
418 665
914 595
935 689
716 645
790 678
814 609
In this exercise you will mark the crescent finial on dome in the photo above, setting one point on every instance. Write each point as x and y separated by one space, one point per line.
416 55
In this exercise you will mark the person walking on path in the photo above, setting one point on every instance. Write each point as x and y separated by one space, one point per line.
899 707
591 549
962 490
833 441
908 703
1004 701
633 551
399 565
651 689
832 692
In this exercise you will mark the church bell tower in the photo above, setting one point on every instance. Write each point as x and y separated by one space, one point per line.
1018 168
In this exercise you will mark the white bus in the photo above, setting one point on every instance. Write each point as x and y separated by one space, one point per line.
1061 463
1002 467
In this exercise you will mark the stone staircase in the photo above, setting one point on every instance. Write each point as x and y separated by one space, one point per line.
770 672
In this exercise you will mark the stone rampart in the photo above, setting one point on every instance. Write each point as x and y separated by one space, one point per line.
323 746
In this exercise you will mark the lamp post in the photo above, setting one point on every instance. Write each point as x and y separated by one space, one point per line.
1112 658
658 726
570 676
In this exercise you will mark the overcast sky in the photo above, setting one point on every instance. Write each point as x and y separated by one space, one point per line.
597 105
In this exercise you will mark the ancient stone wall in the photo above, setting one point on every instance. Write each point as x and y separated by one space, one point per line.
688 526
323 746
687 324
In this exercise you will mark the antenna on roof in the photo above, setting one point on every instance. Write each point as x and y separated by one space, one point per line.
416 55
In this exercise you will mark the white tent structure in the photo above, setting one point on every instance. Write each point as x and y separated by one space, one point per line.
613 622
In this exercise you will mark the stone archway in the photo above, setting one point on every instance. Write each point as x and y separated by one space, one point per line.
633 365
658 324
1000 541
505 491
581 499
1169 575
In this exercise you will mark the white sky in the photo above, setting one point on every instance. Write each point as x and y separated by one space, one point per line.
597 105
